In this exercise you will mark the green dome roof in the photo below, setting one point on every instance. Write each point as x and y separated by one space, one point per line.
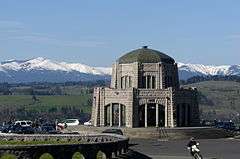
145 55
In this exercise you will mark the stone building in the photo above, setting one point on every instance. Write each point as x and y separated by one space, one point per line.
145 92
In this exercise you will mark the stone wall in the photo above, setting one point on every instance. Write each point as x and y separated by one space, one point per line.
89 146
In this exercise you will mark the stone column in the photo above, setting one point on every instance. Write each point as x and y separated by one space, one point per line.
119 115
146 81
146 116
157 115
166 115
111 114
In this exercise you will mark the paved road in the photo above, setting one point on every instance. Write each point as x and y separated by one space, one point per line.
210 149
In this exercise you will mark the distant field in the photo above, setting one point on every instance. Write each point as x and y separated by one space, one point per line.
43 103
24 106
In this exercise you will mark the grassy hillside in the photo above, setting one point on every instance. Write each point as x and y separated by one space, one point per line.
51 107
219 99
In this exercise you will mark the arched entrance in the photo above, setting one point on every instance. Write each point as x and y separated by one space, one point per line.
151 114
115 115
161 116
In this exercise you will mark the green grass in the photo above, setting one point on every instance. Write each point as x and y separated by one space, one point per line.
11 100
9 156
23 107
43 103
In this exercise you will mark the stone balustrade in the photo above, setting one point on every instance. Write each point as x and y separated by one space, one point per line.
88 146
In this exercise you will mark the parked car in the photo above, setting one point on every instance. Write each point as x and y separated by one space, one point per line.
10 128
113 131
69 122
88 123
228 125
48 130
26 130
23 123
1 128
18 129
6 128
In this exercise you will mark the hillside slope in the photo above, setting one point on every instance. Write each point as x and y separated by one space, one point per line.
219 99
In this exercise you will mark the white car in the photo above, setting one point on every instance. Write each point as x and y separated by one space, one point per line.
24 123
88 123
69 122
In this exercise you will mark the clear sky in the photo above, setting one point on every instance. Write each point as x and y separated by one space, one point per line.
96 32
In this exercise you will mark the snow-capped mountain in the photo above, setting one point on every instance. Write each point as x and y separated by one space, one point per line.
46 64
42 69
46 70
189 70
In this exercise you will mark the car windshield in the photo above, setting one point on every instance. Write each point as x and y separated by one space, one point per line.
23 123
70 121
29 122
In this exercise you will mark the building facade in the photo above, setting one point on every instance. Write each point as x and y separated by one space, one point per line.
145 92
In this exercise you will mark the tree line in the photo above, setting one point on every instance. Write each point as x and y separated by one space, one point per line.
197 79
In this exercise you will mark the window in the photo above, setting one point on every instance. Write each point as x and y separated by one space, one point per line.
153 82
130 81
143 81
121 82
126 82
148 81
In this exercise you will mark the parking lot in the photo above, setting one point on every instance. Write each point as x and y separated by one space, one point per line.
210 149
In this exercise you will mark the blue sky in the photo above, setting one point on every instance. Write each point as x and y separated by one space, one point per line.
97 32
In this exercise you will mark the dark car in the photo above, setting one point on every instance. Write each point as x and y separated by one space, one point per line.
26 130
5 128
113 131
49 130
11 128
1 128
227 125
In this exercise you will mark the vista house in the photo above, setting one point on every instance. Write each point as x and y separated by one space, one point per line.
145 92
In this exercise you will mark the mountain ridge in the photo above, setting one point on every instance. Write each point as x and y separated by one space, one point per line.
42 69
